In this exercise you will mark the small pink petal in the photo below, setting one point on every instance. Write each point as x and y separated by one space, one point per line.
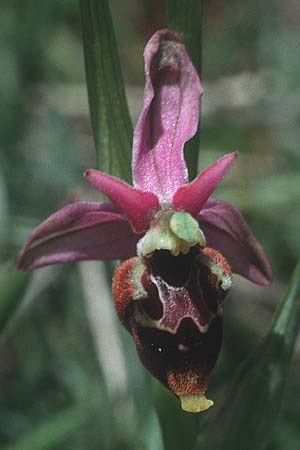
138 206
169 117
77 232
192 196
226 231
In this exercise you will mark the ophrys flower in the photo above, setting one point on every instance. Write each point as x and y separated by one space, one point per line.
182 244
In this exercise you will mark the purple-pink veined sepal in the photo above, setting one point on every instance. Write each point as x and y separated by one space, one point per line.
169 117
225 229
80 231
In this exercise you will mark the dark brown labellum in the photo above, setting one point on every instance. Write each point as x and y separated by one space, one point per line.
172 306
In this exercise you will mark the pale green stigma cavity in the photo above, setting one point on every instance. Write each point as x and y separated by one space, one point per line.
185 227
176 232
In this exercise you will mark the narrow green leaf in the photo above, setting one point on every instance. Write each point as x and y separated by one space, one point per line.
150 436
52 431
108 107
248 417
185 17
12 288
179 428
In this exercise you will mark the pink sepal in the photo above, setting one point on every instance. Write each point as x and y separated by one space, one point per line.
77 232
169 117
137 206
192 196
226 230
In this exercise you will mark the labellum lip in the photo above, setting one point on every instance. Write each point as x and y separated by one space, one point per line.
182 362
171 306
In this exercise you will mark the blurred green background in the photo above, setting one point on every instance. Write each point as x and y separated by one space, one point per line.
69 375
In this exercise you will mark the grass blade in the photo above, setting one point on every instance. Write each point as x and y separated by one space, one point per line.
12 288
53 430
108 107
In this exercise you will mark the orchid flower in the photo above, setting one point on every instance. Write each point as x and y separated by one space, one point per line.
180 245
